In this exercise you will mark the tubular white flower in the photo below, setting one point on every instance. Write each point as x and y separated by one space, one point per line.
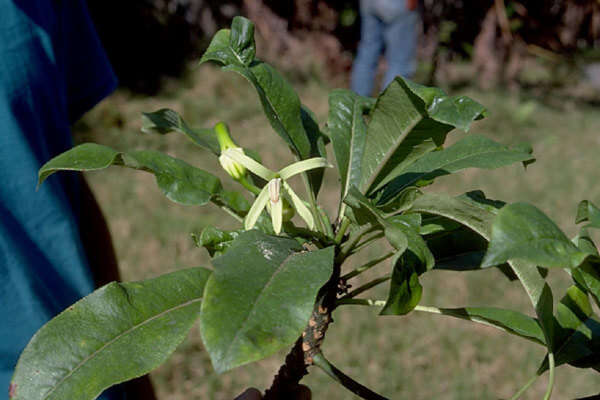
273 193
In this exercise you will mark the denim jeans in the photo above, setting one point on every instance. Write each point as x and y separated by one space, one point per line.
386 25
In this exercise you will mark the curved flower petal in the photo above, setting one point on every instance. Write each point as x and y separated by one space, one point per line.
257 207
250 164
302 166
299 205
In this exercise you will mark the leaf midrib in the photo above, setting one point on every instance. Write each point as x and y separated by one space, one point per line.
116 338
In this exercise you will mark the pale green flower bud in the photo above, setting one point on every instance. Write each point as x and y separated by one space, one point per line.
232 167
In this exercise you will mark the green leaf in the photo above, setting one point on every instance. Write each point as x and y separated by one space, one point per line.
409 226
511 321
588 276
401 201
280 104
456 209
348 132
470 152
235 51
407 122
587 211
521 231
179 181
235 46
577 334
317 146
165 121
476 217
405 289
260 297
214 240
234 200
119 332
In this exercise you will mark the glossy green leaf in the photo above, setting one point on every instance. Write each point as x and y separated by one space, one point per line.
588 212
470 152
588 276
214 240
234 50
119 332
165 121
348 132
405 289
577 333
471 214
317 141
409 226
400 202
363 211
407 122
235 46
401 231
521 231
179 181
456 209
260 297
280 104
234 200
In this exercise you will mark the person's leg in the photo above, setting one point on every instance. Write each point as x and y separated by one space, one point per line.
367 57
401 37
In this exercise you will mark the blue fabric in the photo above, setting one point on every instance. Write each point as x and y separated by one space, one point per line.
52 69
386 25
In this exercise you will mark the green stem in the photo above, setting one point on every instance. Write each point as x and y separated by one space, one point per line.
366 286
366 242
524 388
366 266
362 391
313 204
228 210
551 377
361 302
352 240
244 182
342 230
326 222
432 310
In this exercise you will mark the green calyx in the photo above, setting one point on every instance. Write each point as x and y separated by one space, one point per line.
236 170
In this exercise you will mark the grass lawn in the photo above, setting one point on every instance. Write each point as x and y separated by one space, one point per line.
418 356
